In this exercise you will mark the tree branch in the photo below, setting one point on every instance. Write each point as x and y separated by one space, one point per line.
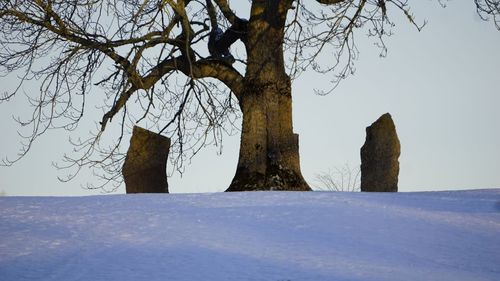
489 8
198 70
329 2
66 33
226 11
212 14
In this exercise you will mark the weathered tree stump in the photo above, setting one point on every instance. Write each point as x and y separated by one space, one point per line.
379 157
144 170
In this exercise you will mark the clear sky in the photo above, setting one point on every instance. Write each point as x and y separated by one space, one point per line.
441 85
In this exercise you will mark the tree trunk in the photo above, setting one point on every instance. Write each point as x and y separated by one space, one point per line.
269 150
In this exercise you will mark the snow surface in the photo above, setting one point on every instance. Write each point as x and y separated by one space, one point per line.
274 236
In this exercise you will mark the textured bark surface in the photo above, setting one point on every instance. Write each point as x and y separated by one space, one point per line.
144 170
379 157
269 150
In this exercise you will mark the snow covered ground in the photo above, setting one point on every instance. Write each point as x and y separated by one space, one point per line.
273 236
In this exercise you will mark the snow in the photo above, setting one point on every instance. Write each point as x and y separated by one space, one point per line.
274 236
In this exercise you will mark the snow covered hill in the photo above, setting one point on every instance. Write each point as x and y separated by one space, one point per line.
273 236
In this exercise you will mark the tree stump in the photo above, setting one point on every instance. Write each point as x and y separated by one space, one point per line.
144 170
379 157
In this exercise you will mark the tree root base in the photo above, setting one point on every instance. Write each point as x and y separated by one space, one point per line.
278 180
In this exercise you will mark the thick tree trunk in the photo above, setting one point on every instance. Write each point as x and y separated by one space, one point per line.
269 151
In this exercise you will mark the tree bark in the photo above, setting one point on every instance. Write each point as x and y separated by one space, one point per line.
269 150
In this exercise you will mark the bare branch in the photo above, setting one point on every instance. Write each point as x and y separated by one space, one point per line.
329 2
198 70
487 9
227 11
342 178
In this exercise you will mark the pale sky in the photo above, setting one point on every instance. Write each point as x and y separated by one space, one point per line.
441 86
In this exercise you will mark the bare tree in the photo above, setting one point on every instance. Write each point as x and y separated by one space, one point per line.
344 178
150 58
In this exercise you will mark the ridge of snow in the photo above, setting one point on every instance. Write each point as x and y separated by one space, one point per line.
452 235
